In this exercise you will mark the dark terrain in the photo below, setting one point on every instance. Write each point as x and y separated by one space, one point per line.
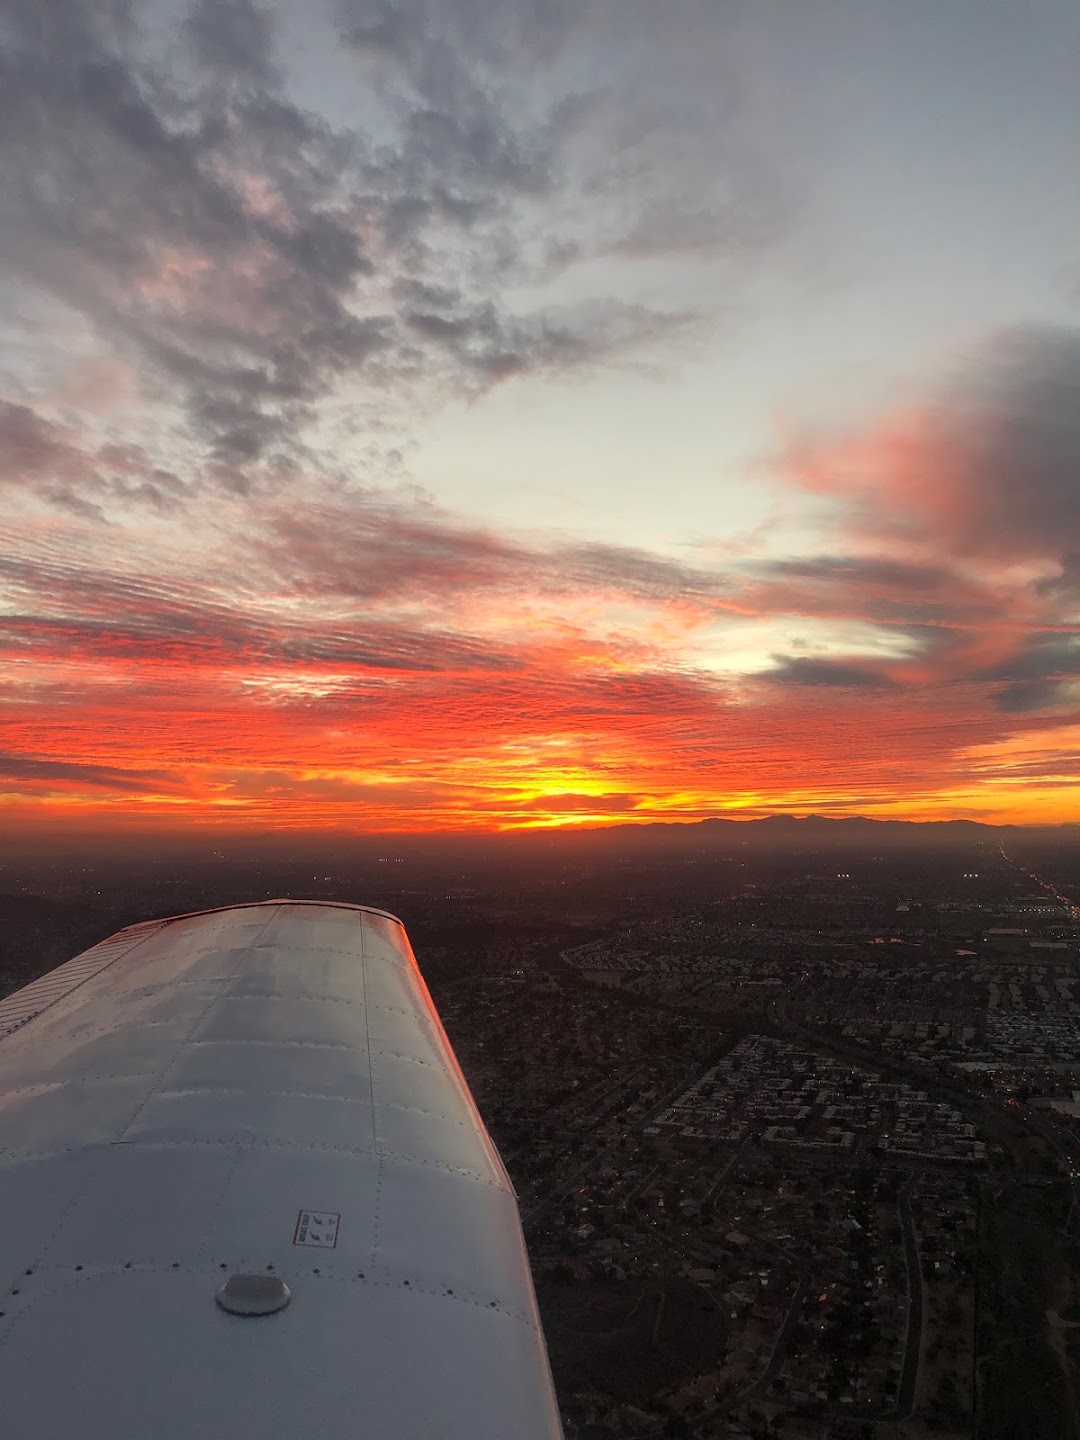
894 1255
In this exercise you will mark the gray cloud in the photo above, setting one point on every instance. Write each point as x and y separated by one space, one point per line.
918 597
1019 441
371 549
808 670
62 607
233 39
1065 586
496 347
37 454
1040 673
105 777
123 197
30 448
249 259
990 468
1033 695
1047 656
640 574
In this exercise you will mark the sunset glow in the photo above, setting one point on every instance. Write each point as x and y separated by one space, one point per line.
367 467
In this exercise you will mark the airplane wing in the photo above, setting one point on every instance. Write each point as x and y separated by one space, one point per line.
244 1191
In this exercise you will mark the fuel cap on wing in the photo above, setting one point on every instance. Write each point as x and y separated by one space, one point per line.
253 1294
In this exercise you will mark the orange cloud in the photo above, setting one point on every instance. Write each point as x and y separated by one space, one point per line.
358 661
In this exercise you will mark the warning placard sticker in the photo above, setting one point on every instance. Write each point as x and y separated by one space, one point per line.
317 1227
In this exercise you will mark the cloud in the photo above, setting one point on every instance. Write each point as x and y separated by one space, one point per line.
256 263
43 459
960 517
1064 587
378 546
879 587
552 341
591 804
34 451
71 774
1053 655
642 575
232 39
808 670
1017 443
986 469
367 586
200 580
78 609
1035 695
1042 672
320 661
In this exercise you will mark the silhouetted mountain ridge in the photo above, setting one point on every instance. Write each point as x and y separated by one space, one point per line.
776 831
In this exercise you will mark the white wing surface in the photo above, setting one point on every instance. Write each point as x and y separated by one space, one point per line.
262 1091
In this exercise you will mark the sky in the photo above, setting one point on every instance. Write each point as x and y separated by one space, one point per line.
420 415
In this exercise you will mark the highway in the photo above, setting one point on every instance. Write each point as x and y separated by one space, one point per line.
909 1376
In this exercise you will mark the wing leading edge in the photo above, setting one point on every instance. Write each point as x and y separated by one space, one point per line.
266 1091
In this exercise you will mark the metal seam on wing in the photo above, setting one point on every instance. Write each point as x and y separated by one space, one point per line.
376 1214
220 1202
322 999
247 1143
277 1041
278 949
45 1086
56 1275
42 989
89 1180
494 1306
203 1090
182 1046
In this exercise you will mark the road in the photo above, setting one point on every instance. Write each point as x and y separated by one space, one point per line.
909 1376
1047 885
776 1359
